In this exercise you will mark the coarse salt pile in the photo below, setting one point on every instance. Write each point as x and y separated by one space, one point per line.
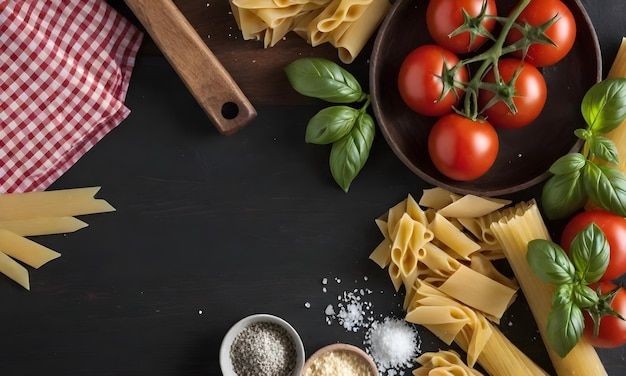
393 344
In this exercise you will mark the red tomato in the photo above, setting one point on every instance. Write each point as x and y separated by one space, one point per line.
529 94
445 16
614 228
421 80
612 331
462 148
562 32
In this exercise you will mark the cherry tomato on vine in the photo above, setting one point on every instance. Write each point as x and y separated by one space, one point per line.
562 32
461 148
614 228
527 92
445 17
423 84
612 331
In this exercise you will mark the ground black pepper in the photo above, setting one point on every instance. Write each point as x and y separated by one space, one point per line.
263 349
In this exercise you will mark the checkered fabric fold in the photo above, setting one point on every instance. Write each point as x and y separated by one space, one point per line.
65 66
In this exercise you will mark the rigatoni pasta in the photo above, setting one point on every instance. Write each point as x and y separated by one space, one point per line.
346 24
452 287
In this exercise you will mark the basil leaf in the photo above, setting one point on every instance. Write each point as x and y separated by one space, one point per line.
568 163
550 262
604 105
565 328
603 148
589 252
562 294
330 124
606 186
323 79
584 296
349 154
563 194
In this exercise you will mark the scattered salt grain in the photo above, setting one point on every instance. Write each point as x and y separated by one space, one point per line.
353 312
393 344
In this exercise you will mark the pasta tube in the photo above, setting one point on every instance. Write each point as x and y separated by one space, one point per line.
514 232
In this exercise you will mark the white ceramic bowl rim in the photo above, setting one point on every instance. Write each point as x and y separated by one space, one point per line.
226 364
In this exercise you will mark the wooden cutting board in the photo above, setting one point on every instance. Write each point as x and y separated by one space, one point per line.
257 71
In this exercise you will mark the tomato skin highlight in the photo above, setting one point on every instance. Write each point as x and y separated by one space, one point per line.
420 83
562 32
612 331
530 95
461 148
445 16
614 228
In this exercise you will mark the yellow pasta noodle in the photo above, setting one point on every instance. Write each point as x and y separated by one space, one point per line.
346 24
443 363
40 213
471 206
479 291
514 231
451 236
14 270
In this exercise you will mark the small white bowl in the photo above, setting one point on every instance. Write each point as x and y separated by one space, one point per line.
343 347
226 363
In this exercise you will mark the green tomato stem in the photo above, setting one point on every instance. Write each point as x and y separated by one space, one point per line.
488 58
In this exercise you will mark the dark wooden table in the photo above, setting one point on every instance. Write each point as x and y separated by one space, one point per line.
209 229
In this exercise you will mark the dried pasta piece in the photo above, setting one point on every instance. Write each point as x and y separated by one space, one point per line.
25 250
48 204
14 270
443 363
514 231
43 226
451 236
471 206
479 291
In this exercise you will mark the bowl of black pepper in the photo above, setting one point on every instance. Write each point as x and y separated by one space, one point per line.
262 345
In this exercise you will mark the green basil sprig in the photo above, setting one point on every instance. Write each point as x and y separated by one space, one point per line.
578 177
350 130
587 262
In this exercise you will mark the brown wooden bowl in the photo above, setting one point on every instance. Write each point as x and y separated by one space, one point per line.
342 347
525 154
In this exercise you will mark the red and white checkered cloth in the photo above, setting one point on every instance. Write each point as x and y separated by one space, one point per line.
65 66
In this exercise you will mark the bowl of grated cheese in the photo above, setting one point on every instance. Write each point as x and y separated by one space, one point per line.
340 359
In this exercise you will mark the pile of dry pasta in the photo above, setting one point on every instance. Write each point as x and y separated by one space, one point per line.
346 24
441 249
40 213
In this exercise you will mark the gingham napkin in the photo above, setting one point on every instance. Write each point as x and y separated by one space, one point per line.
65 67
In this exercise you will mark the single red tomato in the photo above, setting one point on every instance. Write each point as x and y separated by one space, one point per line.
444 17
614 228
562 32
612 330
422 81
520 83
461 148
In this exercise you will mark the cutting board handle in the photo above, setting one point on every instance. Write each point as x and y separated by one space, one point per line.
203 74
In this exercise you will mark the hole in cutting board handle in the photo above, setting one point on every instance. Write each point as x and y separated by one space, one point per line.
230 110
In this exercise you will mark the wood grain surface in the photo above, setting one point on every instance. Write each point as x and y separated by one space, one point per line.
257 70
